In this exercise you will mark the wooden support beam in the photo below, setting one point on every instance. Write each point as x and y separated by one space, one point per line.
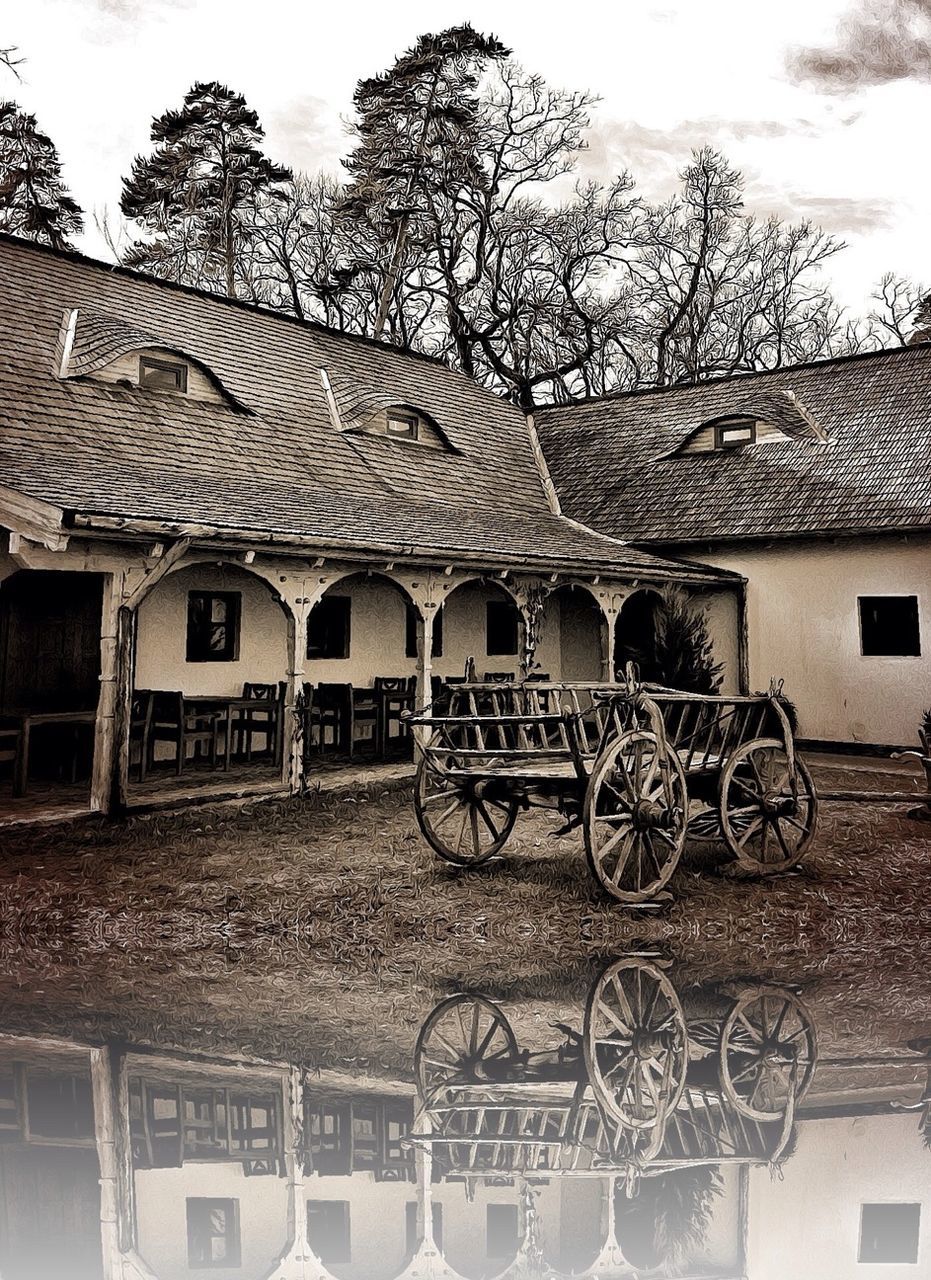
105 727
176 552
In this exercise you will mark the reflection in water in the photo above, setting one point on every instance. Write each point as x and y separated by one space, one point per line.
662 1128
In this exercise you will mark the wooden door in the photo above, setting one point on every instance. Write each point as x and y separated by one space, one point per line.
49 1214
50 641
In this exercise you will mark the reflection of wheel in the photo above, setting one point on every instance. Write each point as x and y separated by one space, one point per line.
768 813
460 820
636 1043
768 1052
634 816
462 1042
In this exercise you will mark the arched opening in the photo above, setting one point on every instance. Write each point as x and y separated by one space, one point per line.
481 1235
361 667
360 1229
49 684
481 621
208 702
577 1243
635 636
572 637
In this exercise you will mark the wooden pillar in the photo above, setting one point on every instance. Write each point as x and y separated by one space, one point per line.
608 638
105 727
293 753
426 616
127 619
743 641
114 1153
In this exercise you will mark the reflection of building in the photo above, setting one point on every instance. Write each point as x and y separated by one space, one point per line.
141 1166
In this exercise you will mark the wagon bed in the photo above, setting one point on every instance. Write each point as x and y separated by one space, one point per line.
639 767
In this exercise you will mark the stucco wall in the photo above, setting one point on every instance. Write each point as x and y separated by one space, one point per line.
161 1211
808 1224
803 626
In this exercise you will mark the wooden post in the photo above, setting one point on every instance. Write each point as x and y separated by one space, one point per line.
114 1152
119 755
105 729
743 641
426 616
293 754
608 638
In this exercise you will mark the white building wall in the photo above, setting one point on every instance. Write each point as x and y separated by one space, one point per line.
377 1223
803 626
808 1224
161 1215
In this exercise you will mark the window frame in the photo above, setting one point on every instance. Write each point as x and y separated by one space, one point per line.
233 623
889 595
725 425
499 652
345 603
159 365
233 1234
410 417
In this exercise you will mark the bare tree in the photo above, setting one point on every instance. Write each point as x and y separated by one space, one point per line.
898 303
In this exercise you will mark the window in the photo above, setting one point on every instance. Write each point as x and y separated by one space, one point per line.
402 424
889 627
501 1231
500 627
213 626
213 1233
162 375
889 1232
328 1230
328 628
59 1107
410 642
735 433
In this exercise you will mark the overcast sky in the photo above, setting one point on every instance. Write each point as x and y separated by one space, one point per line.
825 106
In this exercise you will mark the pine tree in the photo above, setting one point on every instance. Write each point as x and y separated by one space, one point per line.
34 202
195 195
683 655
416 131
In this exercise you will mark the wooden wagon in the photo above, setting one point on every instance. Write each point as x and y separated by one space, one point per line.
640 1090
640 768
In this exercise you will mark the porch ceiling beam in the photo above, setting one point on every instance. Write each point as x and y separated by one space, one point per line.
176 552
32 518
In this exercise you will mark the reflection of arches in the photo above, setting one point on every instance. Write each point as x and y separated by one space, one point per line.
581 622
635 637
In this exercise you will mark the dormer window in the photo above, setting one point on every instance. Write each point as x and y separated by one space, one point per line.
734 433
402 424
162 375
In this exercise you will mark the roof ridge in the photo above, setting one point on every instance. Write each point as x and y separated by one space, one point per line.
850 358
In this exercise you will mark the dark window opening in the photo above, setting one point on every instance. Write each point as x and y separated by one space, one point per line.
402 424
410 637
59 1107
500 627
162 375
735 433
328 629
213 626
501 1231
328 1230
213 1233
889 1233
889 627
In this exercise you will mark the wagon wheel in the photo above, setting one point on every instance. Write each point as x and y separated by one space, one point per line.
768 813
704 827
460 1044
636 1044
768 1052
459 818
635 816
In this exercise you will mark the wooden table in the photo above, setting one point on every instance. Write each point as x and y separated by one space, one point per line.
269 706
28 720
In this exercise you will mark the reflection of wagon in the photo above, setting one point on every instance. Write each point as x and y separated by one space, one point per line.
640 1090
639 768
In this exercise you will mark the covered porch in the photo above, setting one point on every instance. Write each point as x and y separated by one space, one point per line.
134 675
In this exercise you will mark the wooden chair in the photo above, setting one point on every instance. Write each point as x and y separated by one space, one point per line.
140 718
329 707
262 723
393 694
366 714
181 725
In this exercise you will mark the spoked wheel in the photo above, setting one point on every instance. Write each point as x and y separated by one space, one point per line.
460 819
636 1044
768 1052
769 812
704 827
634 816
466 1040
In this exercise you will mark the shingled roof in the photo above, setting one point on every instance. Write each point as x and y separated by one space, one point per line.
616 463
272 462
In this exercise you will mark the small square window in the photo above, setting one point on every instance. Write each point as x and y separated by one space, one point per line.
401 425
500 628
889 1233
328 629
213 626
410 634
501 1237
734 434
213 1233
889 627
328 1230
162 375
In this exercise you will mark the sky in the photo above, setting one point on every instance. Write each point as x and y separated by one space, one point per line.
822 104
